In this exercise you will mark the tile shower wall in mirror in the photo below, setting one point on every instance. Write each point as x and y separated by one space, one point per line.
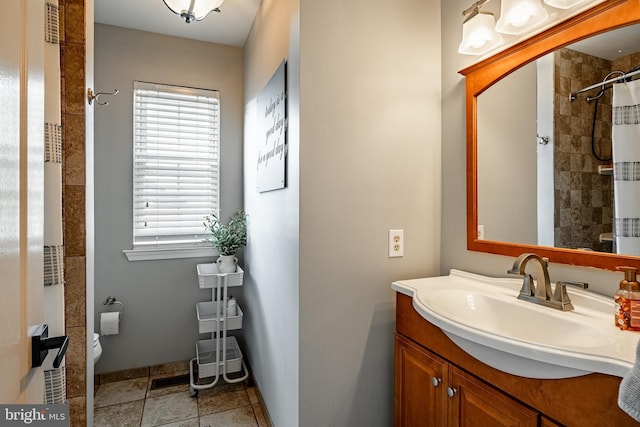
583 184
583 196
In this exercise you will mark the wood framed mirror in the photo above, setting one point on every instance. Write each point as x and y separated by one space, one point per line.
602 18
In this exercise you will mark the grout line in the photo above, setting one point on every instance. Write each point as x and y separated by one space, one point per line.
120 403
245 388
142 413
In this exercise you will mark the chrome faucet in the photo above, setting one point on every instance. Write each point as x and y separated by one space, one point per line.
541 293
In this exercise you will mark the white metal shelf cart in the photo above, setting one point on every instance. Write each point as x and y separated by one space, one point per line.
219 355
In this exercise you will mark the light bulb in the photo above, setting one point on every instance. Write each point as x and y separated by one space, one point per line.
563 4
477 42
519 20
518 16
479 35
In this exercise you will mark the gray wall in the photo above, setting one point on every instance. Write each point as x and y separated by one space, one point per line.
369 162
364 157
454 247
272 254
159 324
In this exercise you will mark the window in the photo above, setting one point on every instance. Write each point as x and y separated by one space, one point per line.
176 139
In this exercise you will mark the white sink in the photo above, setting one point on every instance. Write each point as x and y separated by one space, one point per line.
483 317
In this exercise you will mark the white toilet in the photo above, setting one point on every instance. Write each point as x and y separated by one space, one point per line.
97 348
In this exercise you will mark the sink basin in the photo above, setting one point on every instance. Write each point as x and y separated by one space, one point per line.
483 317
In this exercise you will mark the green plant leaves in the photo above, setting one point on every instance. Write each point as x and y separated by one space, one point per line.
227 238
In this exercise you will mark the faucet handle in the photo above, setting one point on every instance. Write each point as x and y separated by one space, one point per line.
528 288
561 296
581 285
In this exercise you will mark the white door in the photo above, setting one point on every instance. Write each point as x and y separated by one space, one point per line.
89 204
21 196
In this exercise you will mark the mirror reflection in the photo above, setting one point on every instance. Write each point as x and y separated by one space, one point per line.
546 162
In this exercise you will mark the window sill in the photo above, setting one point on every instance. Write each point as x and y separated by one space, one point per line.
168 253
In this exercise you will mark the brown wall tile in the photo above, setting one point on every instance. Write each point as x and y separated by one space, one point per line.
63 58
63 99
75 291
61 19
74 149
78 411
74 220
76 362
575 227
74 22
74 74
73 98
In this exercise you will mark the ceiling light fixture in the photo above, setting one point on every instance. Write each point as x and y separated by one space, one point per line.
193 10
478 31
518 16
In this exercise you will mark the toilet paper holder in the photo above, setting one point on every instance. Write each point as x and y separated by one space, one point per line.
111 300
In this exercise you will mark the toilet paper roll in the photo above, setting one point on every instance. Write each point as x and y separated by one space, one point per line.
109 323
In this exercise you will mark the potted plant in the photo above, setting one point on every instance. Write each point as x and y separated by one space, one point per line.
227 238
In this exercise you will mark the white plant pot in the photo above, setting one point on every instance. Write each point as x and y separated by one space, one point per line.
227 263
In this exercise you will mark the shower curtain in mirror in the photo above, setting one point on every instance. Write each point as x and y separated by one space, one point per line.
626 167
55 378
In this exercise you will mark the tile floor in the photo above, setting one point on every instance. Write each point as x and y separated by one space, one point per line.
131 402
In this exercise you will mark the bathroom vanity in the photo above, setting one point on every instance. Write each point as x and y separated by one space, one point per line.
438 384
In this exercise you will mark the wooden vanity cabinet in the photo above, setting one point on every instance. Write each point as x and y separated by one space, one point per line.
419 386
546 422
430 392
474 403
484 396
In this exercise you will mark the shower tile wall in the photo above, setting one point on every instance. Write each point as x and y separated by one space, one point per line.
626 63
72 86
583 197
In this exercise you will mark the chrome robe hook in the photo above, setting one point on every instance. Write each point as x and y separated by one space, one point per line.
91 96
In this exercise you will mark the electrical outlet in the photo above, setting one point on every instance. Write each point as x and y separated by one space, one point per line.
480 234
396 243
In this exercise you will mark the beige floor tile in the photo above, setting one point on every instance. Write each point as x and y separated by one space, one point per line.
127 374
193 422
222 398
223 387
123 414
262 420
169 409
239 417
170 368
166 390
121 392
253 397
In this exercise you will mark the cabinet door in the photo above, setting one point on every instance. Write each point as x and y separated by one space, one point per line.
419 386
547 422
473 403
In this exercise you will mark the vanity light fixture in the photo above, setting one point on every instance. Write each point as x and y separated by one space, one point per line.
478 31
518 16
563 4
193 10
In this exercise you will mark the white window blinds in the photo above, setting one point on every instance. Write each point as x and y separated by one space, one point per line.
176 134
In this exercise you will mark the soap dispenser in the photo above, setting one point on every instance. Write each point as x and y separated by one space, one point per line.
627 299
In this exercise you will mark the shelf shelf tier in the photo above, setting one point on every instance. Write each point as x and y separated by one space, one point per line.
209 321
209 277
210 360
220 355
